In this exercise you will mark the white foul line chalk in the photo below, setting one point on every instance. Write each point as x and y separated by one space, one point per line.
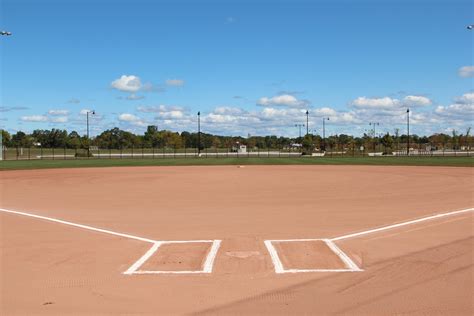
208 264
100 230
401 224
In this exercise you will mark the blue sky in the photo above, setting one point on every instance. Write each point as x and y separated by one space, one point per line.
250 67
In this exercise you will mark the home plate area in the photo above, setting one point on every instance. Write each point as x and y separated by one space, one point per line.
288 256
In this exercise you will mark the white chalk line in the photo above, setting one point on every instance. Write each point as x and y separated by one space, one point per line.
143 259
207 266
428 218
211 256
100 230
278 264
342 255
156 244
351 266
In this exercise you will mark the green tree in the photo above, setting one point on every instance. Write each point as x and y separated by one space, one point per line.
20 139
308 145
6 139
387 142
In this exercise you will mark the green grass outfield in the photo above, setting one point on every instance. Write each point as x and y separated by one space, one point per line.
376 161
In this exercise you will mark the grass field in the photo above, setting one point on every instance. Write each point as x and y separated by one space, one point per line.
395 161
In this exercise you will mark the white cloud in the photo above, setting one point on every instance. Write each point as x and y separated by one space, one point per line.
175 82
387 103
172 114
58 112
126 117
462 109
12 108
132 119
34 118
159 108
164 111
283 100
466 71
336 116
59 119
228 110
126 83
84 111
467 98
376 103
152 108
416 100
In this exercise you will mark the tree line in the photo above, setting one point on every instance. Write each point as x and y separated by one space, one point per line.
116 138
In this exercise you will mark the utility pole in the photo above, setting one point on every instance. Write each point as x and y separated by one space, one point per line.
324 132
87 119
375 135
408 132
307 122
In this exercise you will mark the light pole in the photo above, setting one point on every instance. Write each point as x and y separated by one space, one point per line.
324 132
199 133
375 142
307 122
408 132
299 126
87 119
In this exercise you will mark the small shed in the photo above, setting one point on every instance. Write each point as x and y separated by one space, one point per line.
239 148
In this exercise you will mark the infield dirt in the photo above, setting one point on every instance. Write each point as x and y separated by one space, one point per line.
50 268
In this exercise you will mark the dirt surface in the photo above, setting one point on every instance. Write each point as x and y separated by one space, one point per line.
178 257
51 268
308 255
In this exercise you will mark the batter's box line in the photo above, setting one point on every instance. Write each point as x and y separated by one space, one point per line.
206 268
278 264
351 266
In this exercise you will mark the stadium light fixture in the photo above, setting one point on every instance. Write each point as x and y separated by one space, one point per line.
299 126
307 122
375 135
199 133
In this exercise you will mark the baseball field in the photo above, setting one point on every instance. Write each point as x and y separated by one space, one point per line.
237 239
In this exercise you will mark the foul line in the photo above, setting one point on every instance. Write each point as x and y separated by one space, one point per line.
207 267
401 224
330 242
100 230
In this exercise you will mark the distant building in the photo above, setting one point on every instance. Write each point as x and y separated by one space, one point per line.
239 148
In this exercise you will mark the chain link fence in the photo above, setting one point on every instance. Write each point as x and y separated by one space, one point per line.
332 150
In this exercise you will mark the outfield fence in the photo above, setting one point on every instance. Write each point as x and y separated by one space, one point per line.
40 153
